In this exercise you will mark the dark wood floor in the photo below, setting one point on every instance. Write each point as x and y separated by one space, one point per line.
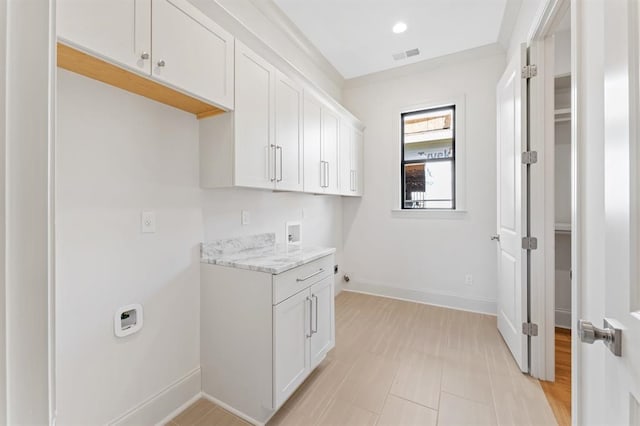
559 392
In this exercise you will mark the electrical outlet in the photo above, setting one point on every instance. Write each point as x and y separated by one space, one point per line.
246 217
148 222
468 279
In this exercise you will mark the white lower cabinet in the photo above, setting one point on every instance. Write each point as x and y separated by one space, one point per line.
263 334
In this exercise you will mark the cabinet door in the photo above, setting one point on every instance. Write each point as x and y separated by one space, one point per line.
253 115
313 172
322 320
191 52
330 129
116 30
288 134
291 329
358 162
346 171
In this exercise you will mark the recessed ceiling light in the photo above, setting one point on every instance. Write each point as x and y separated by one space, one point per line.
400 27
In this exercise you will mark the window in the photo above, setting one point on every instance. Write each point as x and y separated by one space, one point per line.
429 159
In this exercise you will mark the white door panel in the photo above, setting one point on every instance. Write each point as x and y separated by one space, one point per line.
117 30
312 135
254 157
619 395
288 136
291 329
330 135
511 125
322 321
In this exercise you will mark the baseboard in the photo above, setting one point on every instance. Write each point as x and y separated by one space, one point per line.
232 410
477 305
161 407
563 318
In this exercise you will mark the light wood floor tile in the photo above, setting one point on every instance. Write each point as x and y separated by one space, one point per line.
418 379
456 411
465 374
220 417
396 362
193 414
340 413
400 412
367 384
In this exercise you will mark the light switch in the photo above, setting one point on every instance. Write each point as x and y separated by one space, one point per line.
246 217
148 222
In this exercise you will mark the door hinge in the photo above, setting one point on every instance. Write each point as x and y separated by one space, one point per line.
529 71
529 243
529 329
530 157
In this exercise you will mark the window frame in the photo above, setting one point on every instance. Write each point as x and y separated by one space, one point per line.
394 145
453 159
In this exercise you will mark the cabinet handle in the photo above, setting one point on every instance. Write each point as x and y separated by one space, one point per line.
144 56
322 174
318 272
316 315
327 174
280 148
161 63
272 172
310 333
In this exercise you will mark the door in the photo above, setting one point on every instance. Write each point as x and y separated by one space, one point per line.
291 332
322 320
118 31
288 124
312 129
511 208
330 132
253 115
609 384
191 52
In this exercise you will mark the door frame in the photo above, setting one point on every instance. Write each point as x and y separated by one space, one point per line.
542 186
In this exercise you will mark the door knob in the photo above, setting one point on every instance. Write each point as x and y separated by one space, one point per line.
144 56
610 336
161 63
495 237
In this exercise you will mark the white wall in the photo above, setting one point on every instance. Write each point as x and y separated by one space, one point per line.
119 154
320 216
426 258
562 53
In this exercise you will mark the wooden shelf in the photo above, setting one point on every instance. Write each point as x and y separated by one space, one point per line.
84 64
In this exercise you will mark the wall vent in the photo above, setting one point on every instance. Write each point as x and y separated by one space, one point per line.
407 54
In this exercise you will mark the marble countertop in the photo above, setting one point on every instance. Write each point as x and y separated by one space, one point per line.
260 253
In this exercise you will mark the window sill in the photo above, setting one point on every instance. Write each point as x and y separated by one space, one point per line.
428 214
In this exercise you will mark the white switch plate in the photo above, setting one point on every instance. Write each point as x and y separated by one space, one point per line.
148 222
468 279
246 217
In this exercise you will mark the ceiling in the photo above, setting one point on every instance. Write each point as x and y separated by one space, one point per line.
356 36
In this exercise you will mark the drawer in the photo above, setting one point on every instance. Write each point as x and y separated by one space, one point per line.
292 281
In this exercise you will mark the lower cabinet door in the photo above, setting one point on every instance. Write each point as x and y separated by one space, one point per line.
291 328
322 320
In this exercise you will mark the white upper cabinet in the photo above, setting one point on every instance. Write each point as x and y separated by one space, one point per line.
170 41
321 147
253 121
288 133
116 30
191 52
330 137
262 138
351 153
